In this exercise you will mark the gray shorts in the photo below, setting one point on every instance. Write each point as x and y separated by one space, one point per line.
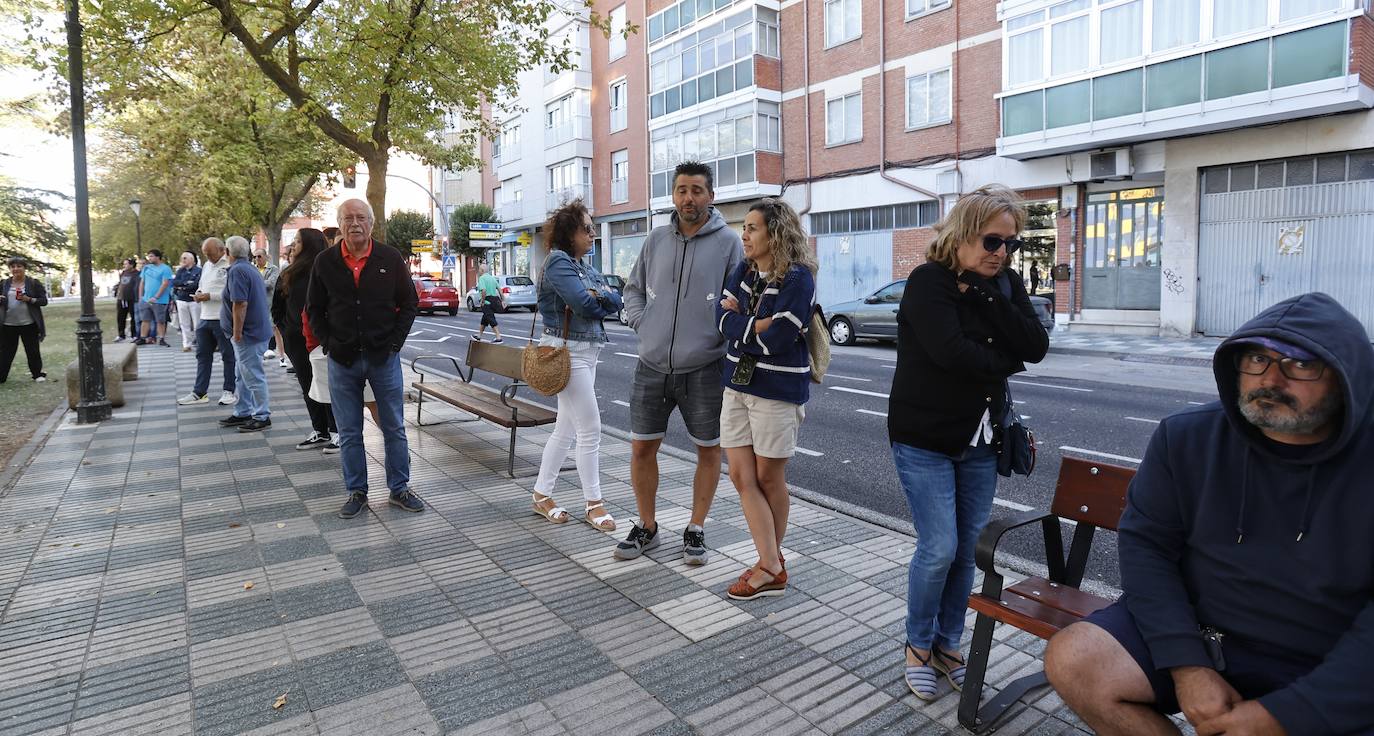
697 395
152 312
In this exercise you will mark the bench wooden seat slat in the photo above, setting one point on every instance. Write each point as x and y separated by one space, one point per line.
1026 614
1064 598
486 403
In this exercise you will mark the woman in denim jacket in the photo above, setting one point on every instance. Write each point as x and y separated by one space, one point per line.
567 283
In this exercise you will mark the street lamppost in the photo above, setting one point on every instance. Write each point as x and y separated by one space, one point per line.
137 207
93 406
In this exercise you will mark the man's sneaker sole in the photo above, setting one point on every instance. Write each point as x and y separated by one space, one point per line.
634 553
694 559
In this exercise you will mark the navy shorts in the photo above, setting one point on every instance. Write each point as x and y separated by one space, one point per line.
697 396
1251 671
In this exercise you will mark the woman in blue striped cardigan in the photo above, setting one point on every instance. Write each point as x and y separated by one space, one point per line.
763 313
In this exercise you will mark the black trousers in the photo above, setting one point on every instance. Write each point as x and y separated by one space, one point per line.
321 415
9 345
124 312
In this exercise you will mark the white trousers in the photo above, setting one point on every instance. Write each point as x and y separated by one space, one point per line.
188 316
579 422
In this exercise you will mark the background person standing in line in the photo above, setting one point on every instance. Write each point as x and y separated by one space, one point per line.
21 319
184 286
126 300
244 311
157 295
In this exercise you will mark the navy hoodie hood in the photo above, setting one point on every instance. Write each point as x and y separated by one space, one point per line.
1271 544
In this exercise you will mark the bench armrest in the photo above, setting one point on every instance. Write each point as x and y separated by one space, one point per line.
415 365
984 555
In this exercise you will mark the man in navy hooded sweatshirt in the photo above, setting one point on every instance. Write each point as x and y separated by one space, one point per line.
1247 549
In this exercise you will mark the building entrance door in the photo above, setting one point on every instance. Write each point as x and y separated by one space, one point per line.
1121 249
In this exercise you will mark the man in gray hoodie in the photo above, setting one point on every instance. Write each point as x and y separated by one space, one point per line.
670 301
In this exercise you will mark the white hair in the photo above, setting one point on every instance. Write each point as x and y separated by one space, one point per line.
338 211
239 249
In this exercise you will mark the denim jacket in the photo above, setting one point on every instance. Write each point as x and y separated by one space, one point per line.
565 282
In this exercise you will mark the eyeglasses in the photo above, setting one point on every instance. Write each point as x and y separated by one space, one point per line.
1256 364
591 230
991 243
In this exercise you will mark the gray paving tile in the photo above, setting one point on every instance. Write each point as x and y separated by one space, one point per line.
33 706
294 548
133 681
228 619
359 560
415 612
315 599
349 673
241 557
242 703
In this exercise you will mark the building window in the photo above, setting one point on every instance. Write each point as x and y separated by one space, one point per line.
710 63
843 21
619 105
558 112
844 119
681 15
725 140
617 39
1175 24
1230 17
866 219
768 32
769 132
1026 57
1292 9
1121 31
927 99
918 7
620 176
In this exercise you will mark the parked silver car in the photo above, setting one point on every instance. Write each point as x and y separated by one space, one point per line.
518 291
873 316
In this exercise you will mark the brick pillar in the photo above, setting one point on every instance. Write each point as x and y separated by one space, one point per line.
1069 229
909 249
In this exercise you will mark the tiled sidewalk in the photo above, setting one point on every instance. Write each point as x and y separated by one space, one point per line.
1174 350
160 575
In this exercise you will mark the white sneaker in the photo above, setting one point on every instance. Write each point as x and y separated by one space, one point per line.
282 362
42 379
227 398
333 447
270 354
192 398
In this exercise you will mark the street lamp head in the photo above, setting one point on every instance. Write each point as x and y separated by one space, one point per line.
136 206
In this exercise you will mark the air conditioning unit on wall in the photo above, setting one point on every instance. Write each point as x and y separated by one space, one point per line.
1110 165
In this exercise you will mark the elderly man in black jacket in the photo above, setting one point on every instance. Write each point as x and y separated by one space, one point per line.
361 306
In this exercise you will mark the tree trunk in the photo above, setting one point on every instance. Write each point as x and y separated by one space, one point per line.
376 192
273 233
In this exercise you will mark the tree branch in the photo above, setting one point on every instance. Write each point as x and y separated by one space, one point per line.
290 26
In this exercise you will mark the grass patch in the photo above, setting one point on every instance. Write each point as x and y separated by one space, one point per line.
25 404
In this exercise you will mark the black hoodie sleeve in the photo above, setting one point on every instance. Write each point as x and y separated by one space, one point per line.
1150 542
1336 694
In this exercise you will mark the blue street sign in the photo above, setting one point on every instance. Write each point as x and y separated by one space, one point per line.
491 226
450 261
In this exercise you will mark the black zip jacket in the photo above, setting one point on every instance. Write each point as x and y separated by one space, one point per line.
954 353
375 316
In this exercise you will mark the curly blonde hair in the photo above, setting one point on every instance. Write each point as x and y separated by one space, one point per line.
787 241
968 217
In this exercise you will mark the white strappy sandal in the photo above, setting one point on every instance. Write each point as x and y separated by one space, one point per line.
602 521
556 514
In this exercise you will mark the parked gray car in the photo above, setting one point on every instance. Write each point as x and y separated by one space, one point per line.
517 292
873 316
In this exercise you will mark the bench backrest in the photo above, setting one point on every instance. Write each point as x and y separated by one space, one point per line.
503 360
1091 492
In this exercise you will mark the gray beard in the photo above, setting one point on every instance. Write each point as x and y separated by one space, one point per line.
1297 422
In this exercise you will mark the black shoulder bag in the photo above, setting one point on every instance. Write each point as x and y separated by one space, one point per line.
1015 441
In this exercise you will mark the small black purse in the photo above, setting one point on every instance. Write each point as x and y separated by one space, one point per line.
1016 444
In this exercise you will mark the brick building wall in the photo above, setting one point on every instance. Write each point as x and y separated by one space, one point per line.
634 137
909 249
1362 49
1069 230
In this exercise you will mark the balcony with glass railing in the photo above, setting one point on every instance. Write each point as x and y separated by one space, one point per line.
511 211
561 196
1079 75
573 128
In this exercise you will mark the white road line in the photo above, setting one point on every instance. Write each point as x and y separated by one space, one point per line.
861 392
1107 455
848 378
885 365
1142 419
445 338
628 355
874 413
618 402
1014 506
1198 403
1025 416
812 453
1051 385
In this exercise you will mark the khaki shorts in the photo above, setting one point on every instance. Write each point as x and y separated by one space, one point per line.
769 425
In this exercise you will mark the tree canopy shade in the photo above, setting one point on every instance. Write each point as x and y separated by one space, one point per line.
371 75
405 226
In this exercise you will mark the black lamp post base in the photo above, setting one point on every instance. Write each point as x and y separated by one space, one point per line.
90 357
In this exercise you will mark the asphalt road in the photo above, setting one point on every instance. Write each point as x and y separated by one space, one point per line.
1096 408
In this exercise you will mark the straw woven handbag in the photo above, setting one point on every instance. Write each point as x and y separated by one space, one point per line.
544 367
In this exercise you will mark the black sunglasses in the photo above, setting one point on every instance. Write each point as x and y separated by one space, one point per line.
991 243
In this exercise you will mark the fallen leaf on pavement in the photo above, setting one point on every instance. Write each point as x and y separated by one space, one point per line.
248 585
279 702
235 525
281 525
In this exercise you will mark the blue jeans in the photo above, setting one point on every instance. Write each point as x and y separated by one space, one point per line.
251 380
210 339
383 374
950 501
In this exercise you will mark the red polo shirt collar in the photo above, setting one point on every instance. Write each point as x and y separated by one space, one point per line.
355 265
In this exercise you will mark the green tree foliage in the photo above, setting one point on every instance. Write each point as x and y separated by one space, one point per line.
458 227
405 226
27 229
372 76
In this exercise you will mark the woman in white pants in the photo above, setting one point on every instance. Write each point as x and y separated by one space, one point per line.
573 299
184 285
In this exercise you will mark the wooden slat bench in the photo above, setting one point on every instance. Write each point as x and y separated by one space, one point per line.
1093 496
498 407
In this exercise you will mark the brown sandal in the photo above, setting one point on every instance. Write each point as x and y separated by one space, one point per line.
745 590
604 522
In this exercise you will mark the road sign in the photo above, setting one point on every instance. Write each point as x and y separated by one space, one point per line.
524 238
450 262
418 243
488 226
483 235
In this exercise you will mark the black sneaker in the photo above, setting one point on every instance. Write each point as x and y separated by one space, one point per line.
694 546
356 502
163 343
140 341
634 545
255 425
314 441
233 420
406 500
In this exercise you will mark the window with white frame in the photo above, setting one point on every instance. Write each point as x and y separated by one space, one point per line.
506 145
1121 31
1176 23
619 105
1070 30
769 136
1230 17
917 7
927 99
768 32
843 21
844 119
558 112
620 176
617 39
1293 9
725 140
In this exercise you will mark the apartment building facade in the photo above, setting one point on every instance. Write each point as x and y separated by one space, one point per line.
1187 162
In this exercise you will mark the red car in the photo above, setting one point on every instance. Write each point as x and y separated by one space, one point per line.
436 296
